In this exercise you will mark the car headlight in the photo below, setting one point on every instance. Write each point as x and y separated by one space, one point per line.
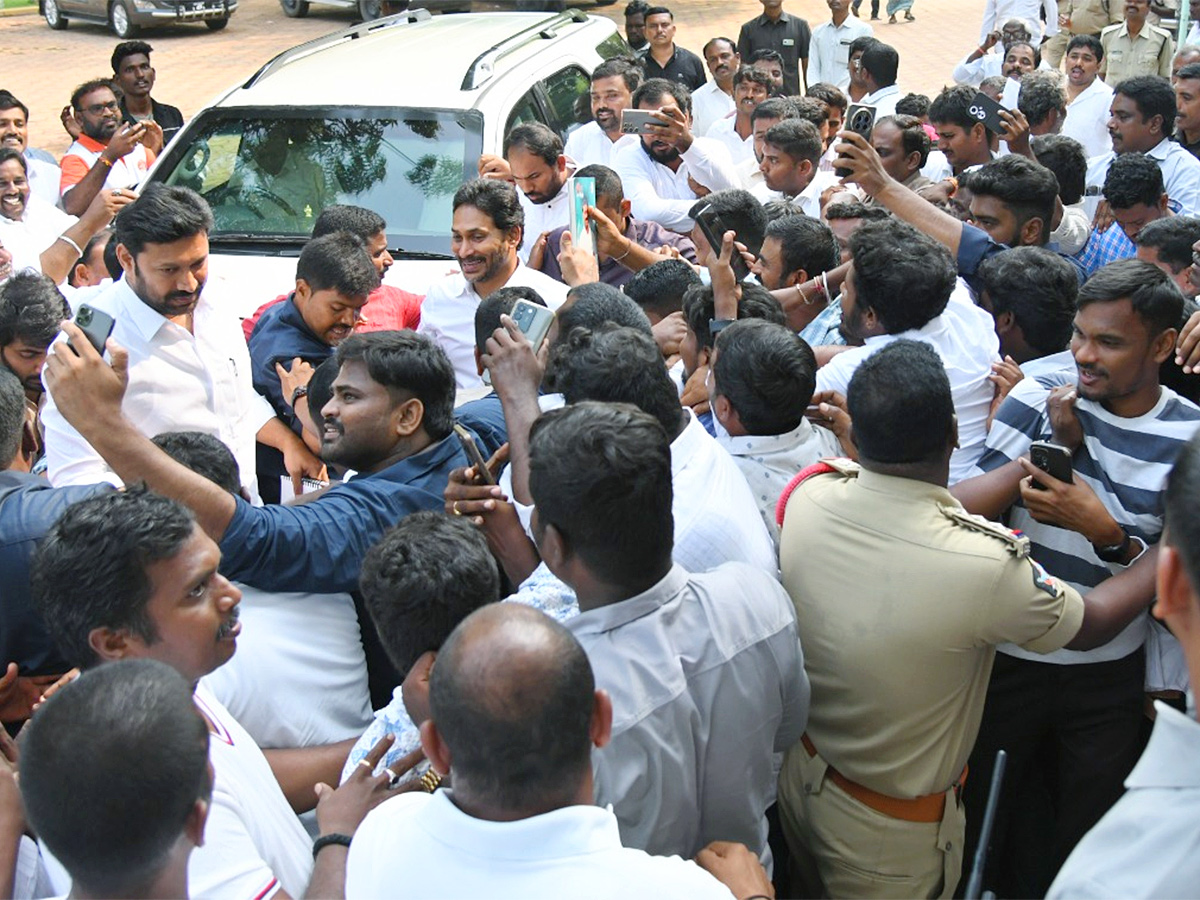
144 5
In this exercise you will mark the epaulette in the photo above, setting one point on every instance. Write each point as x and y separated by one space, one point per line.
847 467
1108 28
1018 544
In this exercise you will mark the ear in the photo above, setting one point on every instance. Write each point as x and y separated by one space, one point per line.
798 277
554 547
435 748
193 825
408 417
125 258
303 290
561 164
954 431
626 207
913 161
1156 124
600 725
514 235
703 356
1005 323
110 644
725 414
1164 345
1162 205
1031 232
27 454
979 132
81 272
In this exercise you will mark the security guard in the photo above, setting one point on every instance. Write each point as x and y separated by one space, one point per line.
1079 17
901 597
1135 47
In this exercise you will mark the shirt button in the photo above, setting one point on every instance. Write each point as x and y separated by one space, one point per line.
808 788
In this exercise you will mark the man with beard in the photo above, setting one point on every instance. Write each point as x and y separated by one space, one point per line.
108 153
487 228
635 24
539 169
671 168
713 100
135 76
189 368
597 142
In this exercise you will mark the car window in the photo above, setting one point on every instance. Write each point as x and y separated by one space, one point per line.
272 172
525 110
563 92
613 45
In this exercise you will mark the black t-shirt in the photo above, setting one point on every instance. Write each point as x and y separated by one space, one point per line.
168 118
684 67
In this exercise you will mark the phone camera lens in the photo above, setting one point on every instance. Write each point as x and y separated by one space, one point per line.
84 318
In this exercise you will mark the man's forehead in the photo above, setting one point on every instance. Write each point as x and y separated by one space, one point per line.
134 60
468 217
97 95
13 114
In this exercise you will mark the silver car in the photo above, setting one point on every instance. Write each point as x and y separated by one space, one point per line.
128 17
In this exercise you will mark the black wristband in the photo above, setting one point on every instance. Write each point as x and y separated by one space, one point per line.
301 391
326 839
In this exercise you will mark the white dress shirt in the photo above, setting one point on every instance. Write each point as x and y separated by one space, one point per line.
542 217
44 178
965 338
973 73
809 199
707 679
741 149
178 381
884 100
1087 119
1148 844
1180 171
39 226
423 846
589 145
997 12
448 316
829 51
660 195
709 104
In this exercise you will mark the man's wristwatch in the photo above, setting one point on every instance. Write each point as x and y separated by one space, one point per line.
715 325
301 391
1117 553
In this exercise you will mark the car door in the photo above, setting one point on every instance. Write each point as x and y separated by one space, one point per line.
559 100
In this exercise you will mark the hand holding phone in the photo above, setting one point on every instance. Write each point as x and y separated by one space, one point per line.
986 110
478 463
1053 460
713 229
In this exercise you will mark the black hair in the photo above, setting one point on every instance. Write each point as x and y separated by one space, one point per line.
600 473
1181 525
408 362
614 364
128 48
913 136
338 262
422 578
805 243
517 722
87 87
594 303
774 108
1040 95
798 138
619 66
609 189
745 73
741 212
659 11
1037 54
767 373
904 275
320 387
856 209
810 109
500 303
204 454
636 8
1154 296
913 105
495 199
659 288
8 154
766 54
780 207
1065 157
899 399
12 416
31 308
1190 71
103 236
756 303
1039 288
8 101
112 263
829 94
162 214
1153 96
535 139
90 570
1090 41
732 45
361 222
882 63
1133 178
1027 188
654 89
952 107
145 767
1173 237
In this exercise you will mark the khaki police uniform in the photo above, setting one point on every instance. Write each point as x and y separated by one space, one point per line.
1085 17
1149 53
901 597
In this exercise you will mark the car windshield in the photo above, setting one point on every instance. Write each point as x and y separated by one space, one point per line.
268 174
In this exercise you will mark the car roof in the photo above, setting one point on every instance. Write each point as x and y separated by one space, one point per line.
406 60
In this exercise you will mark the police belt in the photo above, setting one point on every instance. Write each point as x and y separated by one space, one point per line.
918 809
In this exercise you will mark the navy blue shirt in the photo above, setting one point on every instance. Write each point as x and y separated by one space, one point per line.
29 506
485 417
279 336
976 245
318 547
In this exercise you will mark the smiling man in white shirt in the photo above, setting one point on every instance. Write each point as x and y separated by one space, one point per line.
713 100
189 369
597 142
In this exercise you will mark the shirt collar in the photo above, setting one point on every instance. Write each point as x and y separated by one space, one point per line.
908 488
413 468
144 320
748 444
88 144
613 616
766 21
1169 760
878 95
1161 150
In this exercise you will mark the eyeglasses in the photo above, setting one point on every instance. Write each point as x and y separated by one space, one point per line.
96 108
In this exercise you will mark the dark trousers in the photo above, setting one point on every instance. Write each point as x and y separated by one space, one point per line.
1072 736
874 8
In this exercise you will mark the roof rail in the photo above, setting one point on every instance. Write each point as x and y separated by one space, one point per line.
482 69
347 34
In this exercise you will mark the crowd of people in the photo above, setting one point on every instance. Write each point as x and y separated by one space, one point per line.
861 446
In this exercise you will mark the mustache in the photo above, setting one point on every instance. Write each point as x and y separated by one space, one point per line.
226 629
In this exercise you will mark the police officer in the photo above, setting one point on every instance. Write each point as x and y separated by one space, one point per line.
1135 47
901 597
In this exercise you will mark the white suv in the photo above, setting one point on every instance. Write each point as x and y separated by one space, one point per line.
391 115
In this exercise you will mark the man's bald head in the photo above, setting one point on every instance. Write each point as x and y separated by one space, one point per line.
512 697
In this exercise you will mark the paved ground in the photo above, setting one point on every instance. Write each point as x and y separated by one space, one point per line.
43 66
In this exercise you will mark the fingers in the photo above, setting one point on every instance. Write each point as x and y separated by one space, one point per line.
406 763
497 460
376 753
10 676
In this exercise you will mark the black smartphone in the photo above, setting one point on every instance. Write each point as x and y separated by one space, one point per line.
714 230
860 118
477 461
987 111
94 323
1052 459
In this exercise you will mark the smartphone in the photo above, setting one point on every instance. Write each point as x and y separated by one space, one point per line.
582 193
637 121
1052 459
714 230
860 118
477 461
533 320
987 111
95 324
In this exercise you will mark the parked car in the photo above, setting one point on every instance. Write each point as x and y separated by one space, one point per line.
128 17
391 115
373 9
